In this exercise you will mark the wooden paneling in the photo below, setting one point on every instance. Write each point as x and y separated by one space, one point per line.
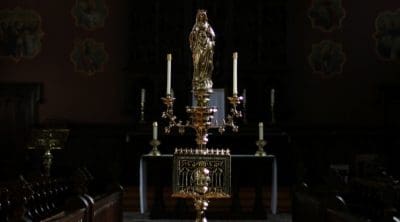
19 104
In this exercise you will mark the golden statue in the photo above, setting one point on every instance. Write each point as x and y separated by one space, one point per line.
201 40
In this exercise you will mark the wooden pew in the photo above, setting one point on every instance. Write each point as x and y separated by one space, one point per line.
49 199
78 215
104 209
108 208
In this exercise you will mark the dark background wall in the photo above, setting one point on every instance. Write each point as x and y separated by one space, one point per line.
356 96
138 37
273 38
68 94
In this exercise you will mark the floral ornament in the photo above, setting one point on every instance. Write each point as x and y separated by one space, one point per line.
89 14
20 33
387 35
326 15
89 56
327 58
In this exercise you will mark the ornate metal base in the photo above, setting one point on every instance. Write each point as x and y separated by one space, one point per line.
154 152
142 113
260 151
273 115
201 205
202 175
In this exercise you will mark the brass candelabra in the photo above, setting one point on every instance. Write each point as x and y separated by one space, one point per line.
201 117
48 140
201 173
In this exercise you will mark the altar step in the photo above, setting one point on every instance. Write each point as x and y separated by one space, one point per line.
246 196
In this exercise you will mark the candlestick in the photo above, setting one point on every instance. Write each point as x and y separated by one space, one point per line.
235 57
142 95
155 130
142 100
169 58
272 97
261 131
260 151
154 143
272 106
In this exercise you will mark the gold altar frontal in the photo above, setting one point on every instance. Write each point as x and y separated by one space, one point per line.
189 179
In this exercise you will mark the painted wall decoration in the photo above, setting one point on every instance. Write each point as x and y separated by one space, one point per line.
20 33
387 35
327 58
326 15
89 14
89 56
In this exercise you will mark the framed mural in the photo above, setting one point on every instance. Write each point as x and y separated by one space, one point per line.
89 14
387 35
89 56
326 15
20 33
327 58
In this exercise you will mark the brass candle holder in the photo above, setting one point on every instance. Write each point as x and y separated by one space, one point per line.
201 173
154 151
260 151
272 104
142 112
272 114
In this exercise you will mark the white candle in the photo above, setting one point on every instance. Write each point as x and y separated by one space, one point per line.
142 95
169 58
272 97
261 131
235 56
155 130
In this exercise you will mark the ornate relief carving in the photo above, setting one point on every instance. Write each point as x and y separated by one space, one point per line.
89 56
326 15
387 35
89 14
327 58
20 33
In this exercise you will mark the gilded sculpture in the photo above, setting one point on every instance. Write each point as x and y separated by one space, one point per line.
202 42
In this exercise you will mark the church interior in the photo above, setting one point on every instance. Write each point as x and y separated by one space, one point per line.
229 110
